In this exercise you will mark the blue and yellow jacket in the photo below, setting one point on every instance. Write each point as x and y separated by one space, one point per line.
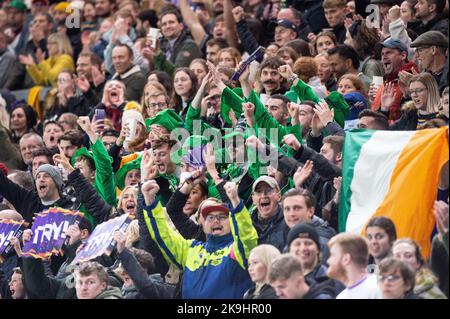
216 268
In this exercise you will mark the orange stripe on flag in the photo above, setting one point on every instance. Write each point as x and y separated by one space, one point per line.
413 186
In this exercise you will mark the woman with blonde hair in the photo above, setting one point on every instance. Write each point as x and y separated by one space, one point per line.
153 89
425 104
127 203
59 58
229 57
259 261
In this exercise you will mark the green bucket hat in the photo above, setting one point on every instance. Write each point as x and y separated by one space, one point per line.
122 172
167 118
82 152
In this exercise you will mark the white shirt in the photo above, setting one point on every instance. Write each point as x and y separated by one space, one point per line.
366 288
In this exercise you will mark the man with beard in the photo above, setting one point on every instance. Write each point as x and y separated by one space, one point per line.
271 81
349 255
432 53
48 192
16 11
104 8
394 56
176 48
429 12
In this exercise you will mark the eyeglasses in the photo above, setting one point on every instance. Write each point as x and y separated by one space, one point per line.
390 278
416 91
268 191
220 218
157 105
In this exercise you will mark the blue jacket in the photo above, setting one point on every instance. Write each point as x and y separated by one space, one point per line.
216 268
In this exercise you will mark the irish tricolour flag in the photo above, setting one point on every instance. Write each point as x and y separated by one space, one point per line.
393 174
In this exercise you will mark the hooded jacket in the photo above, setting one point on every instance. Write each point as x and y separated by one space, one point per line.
110 293
216 268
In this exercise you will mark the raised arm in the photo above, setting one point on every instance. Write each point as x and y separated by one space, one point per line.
172 245
192 22
244 234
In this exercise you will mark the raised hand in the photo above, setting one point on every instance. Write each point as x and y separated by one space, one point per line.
232 193
388 97
15 242
26 236
441 215
337 182
302 174
85 123
40 55
82 83
249 113
293 109
215 76
238 13
291 141
62 159
148 167
74 234
324 113
26 59
254 143
285 71
394 13
97 76
149 189
120 239
210 162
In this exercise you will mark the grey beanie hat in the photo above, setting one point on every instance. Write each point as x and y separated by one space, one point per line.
54 173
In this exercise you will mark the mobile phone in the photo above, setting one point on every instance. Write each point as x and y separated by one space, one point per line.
99 115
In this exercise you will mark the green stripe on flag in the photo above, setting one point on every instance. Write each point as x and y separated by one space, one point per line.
353 142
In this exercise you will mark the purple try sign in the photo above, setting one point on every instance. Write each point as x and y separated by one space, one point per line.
8 228
101 240
49 232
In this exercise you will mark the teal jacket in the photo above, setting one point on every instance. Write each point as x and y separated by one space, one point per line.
216 268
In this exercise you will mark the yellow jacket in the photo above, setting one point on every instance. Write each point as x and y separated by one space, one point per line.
46 72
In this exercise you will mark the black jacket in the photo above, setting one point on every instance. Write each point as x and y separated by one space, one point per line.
439 23
88 196
186 226
146 240
324 290
266 292
27 202
274 232
147 286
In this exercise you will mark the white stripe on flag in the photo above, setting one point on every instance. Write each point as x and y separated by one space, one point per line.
372 175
